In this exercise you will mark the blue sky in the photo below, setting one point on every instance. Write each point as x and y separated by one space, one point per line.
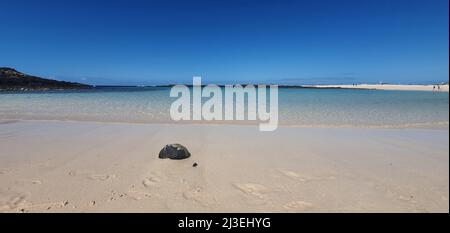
286 42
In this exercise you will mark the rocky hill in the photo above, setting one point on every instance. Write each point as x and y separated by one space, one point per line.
12 80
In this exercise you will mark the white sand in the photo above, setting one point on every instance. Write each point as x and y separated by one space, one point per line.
442 88
95 167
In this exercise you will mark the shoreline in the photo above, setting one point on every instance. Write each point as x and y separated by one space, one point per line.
391 87
427 125
95 167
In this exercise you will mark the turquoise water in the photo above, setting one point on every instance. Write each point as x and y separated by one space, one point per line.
302 107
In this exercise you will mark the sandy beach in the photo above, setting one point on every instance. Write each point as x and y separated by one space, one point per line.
56 166
398 87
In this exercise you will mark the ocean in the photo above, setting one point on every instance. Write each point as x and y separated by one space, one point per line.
297 107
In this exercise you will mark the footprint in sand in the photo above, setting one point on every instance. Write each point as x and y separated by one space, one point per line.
252 189
5 172
193 194
77 173
137 195
37 182
298 206
11 201
92 176
198 195
150 181
133 194
303 178
102 177
409 198
25 182
293 175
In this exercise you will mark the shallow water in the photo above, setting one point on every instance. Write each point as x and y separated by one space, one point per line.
300 107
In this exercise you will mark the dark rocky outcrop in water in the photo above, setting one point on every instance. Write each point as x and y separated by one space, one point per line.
174 151
12 80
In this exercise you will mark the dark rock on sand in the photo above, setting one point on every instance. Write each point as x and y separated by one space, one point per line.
195 164
174 151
